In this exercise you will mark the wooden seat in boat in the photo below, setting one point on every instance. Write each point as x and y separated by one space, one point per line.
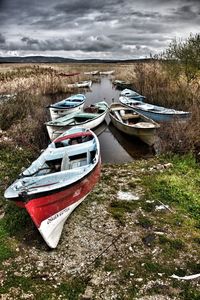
65 164
129 116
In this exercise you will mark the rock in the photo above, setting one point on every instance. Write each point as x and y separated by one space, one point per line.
88 293
161 207
139 279
168 165
149 239
127 196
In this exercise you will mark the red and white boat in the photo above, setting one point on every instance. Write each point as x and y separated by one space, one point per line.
58 181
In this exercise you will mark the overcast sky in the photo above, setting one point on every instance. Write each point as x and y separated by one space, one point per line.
114 29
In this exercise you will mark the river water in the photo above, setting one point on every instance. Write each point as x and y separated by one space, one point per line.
116 147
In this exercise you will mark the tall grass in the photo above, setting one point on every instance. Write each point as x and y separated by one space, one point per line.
153 81
22 117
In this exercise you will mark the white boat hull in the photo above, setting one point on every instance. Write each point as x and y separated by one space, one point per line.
144 129
51 228
148 136
80 84
55 131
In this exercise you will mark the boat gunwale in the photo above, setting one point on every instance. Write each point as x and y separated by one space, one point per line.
135 107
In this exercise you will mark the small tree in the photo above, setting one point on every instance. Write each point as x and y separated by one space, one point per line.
184 58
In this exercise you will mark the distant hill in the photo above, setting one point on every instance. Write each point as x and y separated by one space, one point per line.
34 59
55 59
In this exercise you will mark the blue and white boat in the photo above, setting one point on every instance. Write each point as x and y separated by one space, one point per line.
155 112
132 94
71 104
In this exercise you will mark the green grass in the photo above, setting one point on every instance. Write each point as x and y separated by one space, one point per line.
5 246
176 244
24 283
13 159
178 186
72 289
190 293
118 209
145 222
15 220
69 290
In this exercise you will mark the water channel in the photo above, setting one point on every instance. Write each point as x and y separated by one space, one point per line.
116 147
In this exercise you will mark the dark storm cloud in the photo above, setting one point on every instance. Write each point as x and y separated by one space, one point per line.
79 6
186 12
2 3
2 39
97 44
113 27
30 41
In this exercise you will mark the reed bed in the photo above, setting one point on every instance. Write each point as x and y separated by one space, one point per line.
153 81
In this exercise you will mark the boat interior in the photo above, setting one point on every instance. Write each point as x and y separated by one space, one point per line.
67 154
70 103
126 116
88 114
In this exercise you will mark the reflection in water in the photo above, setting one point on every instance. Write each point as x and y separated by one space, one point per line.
103 90
101 128
116 147
132 145
111 150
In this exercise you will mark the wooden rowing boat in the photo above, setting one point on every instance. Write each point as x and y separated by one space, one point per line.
67 106
90 118
134 124
58 181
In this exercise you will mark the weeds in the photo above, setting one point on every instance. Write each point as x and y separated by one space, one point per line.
173 188
73 288
144 222
176 244
153 80
5 247
118 209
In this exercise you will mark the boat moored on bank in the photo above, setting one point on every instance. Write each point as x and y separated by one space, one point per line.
155 112
58 181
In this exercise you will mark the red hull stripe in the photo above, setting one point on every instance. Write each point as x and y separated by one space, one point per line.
70 136
44 207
